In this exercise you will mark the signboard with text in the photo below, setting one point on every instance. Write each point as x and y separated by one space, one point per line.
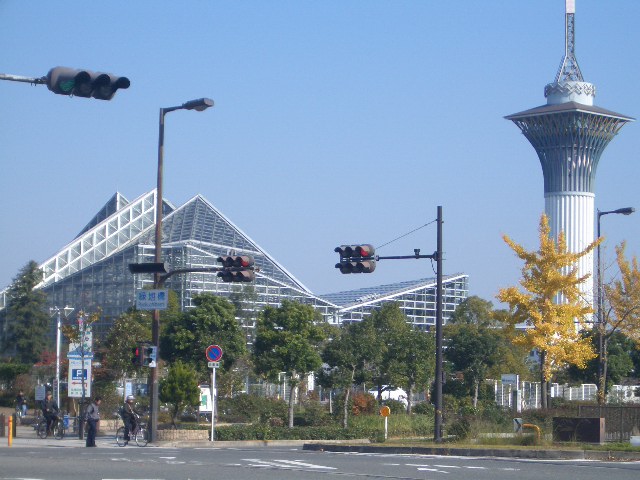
152 299
77 375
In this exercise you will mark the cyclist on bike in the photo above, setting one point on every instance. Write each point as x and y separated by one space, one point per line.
50 411
129 417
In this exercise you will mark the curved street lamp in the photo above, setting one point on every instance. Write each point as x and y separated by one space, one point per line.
600 310
198 105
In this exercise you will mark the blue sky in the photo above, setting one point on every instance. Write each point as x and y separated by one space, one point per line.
335 122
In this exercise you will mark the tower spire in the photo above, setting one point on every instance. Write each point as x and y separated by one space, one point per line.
569 69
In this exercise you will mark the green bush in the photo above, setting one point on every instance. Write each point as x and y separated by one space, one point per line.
423 408
313 414
245 408
266 432
460 428
396 406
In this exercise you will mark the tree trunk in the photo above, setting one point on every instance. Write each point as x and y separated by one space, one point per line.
476 390
544 400
409 395
292 389
605 365
345 416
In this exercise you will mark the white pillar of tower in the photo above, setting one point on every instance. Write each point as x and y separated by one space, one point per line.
573 213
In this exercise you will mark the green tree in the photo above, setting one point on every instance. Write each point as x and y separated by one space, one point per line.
550 305
211 322
472 349
288 339
180 388
244 298
621 314
25 317
416 364
343 358
388 348
127 332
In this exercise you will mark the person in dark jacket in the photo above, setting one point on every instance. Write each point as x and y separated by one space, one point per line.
50 411
129 417
93 417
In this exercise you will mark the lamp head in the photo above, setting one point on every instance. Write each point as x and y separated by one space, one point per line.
198 105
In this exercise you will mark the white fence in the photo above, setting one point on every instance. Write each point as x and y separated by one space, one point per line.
529 393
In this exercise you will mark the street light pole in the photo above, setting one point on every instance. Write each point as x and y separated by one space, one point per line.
197 105
600 307
438 370
67 311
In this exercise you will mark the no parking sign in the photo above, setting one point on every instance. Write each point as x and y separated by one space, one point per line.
213 353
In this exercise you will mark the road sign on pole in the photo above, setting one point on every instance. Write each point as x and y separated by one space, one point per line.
213 353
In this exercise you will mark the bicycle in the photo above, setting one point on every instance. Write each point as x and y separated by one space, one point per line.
19 414
140 434
57 428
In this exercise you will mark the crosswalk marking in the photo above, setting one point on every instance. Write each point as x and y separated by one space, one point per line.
256 462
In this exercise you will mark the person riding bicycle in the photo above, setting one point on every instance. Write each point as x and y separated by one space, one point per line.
21 403
50 411
130 417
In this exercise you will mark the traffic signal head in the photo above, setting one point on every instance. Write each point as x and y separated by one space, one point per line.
356 258
135 356
362 266
237 275
85 83
149 354
238 261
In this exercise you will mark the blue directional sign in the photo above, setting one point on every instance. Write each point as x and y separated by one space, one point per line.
78 374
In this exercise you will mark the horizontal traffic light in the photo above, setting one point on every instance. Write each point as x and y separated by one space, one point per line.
237 268
238 261
349 251
356 258
366 266
85 83
237 275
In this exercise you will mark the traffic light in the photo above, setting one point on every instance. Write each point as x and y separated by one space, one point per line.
356 258
237 268
85 83
136 356
149 355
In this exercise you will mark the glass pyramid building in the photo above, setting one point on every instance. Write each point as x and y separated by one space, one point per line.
92 271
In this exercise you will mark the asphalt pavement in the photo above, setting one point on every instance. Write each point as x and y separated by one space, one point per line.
26 437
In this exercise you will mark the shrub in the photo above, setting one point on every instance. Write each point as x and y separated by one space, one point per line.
251 409
267 432
460 428
396 406
363 403
313 414
423 408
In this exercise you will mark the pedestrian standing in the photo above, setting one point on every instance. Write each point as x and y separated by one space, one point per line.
93 417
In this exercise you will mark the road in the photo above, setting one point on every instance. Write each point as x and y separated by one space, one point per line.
109 462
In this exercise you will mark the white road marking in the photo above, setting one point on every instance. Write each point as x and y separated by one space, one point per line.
432 470
300 463
256 462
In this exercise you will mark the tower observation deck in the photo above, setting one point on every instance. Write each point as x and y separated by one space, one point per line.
569 135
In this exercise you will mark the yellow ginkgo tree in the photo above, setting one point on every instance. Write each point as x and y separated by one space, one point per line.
622 312
551 305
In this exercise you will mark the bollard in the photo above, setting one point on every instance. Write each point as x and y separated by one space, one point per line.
14 430
10 430
2 419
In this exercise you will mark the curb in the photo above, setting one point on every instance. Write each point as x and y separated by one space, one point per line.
479 452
